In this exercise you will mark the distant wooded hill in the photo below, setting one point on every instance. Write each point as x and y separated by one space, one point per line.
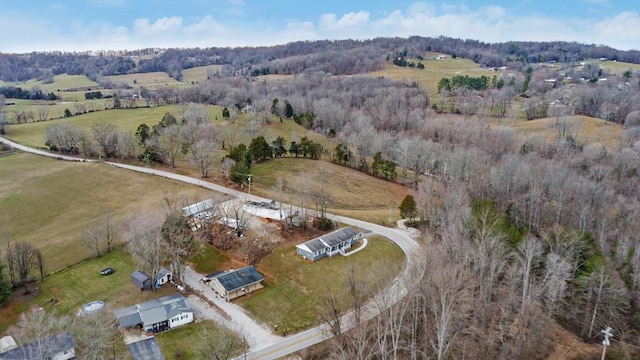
343 57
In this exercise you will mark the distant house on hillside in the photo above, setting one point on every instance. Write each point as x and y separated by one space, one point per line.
335 242
235 283
442 57
57 347
156 315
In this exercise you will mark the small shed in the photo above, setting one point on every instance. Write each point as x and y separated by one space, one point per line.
235 283
141 280
164 276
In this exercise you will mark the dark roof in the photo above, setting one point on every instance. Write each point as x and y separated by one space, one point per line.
232 280
338 236
128 317
140 276
163 272
44 349
147 349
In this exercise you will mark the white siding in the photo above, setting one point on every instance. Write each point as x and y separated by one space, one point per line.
181 319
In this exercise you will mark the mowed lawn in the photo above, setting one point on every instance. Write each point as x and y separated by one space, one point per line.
197 341
349 192
296 289
49 203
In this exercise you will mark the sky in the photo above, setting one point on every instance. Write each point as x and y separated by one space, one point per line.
80 25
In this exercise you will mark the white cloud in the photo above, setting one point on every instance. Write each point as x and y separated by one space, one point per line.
489 23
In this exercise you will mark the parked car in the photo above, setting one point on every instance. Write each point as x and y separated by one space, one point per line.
107 271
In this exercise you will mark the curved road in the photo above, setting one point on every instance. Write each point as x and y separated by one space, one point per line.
299 341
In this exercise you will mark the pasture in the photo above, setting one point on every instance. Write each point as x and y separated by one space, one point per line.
349 192
433 71
49 203
296 289
151 80
618 67
199 73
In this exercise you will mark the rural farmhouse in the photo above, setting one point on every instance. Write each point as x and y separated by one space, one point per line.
156 315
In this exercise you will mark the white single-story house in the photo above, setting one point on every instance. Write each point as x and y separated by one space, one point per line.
164 276
442 57
201 210
235 283
60 346
335 242
156 315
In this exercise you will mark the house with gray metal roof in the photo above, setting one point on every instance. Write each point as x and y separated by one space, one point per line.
234 283
59 347
333 243
156 315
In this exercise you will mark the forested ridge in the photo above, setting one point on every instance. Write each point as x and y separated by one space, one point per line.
337 57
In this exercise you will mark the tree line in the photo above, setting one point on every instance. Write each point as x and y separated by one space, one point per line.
340 57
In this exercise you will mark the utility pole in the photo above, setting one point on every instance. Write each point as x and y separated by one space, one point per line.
607 334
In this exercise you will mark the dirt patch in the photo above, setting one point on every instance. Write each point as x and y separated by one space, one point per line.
568 346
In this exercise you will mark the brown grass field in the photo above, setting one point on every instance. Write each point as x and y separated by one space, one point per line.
349 192
199 73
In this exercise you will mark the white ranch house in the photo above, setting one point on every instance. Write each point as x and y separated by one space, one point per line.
156 315
333 243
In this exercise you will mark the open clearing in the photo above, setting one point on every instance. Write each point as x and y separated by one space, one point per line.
349 192
433 71
151 80
199 73
49 203
296 289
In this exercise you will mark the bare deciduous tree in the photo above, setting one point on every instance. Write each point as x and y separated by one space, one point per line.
23 258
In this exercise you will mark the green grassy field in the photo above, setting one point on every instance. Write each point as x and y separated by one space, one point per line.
618 67
196 341
433 71
48 202
65 82
295 288
33 134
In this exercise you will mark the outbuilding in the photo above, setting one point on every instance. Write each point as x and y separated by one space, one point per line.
235 283
164 276
141 280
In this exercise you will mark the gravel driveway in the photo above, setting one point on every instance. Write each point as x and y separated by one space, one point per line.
226 313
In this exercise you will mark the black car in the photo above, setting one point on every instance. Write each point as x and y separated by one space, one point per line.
107 271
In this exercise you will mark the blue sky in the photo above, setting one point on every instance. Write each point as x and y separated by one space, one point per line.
79 25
